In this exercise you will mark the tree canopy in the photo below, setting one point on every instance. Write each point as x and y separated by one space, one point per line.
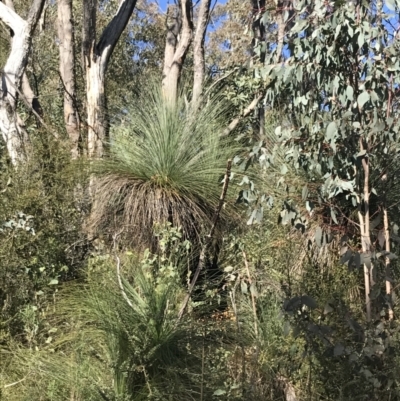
199 200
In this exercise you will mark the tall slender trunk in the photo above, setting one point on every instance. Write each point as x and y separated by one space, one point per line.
173 24
388 275
96 113
365 233
259 37
12 73
173 65
95 58
198 50
67 73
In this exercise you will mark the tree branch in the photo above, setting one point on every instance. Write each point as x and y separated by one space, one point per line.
251 107
208 240
114 29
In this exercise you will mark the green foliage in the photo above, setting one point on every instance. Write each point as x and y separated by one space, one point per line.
341 357
41 243
341 72
289 322
166 163
342 91
125 332
301 328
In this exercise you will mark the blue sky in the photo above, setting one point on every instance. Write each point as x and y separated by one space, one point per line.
163 3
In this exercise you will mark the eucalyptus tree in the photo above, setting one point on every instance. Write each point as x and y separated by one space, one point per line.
11 127
342 74
96 57
179 37
67 73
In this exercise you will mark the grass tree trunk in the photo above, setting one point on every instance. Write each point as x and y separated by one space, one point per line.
67 73
12 74
198 50
176 51
96 57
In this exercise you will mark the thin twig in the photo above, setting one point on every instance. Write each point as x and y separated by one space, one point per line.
253 300
207 241
234 123
218 80
387 233
202 367
27 104
121 287
15 383
232 295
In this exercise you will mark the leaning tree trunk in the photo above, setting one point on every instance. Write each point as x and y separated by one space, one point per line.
11 76
31 100
96 58
67 73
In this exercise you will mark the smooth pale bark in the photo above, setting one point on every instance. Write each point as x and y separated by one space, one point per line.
11 76
96 58
96 109
173 29
173 65
365 231
250 108
366 240
281 32
198 50
258 37
388 276
67 73
31 99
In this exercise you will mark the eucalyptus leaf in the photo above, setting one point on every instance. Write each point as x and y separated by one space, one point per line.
243 287
350 93
363 98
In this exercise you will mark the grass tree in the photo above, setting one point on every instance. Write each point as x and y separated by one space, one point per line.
166 164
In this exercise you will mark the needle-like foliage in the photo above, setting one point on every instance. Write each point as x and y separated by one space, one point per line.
166 164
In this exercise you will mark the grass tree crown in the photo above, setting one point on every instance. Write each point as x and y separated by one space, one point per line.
166 164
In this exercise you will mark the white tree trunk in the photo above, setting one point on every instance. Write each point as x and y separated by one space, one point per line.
173 66
96 58
173 29
96 119
12 75
31 99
